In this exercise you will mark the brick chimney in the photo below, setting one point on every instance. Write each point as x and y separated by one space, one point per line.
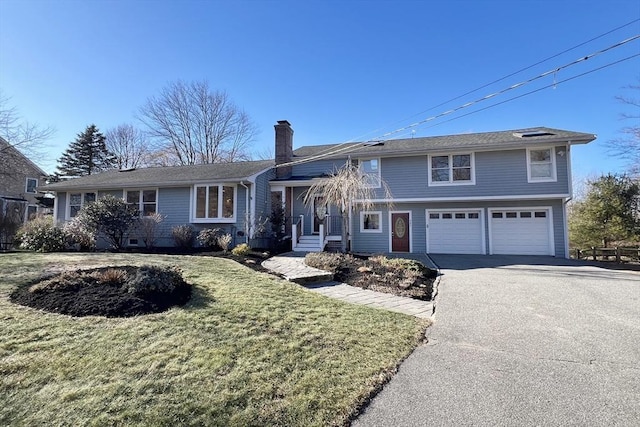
284 148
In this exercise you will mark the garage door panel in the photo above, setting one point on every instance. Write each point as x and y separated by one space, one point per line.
520 232
455 232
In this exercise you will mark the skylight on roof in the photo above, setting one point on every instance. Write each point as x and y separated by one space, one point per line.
532 133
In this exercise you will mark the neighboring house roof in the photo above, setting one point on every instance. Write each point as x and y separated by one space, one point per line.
508 139
164 176
13 151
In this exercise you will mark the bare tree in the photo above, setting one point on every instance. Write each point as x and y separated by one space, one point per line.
627 147
22 135
198 125
348 188
129 145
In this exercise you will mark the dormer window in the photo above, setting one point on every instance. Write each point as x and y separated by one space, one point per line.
541 165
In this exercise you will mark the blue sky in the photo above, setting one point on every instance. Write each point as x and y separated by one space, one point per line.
337 70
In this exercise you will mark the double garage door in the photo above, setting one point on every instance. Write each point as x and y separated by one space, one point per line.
511 231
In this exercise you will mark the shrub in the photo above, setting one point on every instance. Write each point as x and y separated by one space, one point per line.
183 236
150 279
224 241
241 250
325 260
41 235
149 228
111 217
76 232
208 237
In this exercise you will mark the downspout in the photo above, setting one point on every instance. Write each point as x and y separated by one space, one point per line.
247 213
567 255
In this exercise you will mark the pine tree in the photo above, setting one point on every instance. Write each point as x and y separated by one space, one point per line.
86 155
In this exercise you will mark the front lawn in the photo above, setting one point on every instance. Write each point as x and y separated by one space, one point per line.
248 349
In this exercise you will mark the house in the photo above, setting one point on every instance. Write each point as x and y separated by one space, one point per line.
479 193
20 179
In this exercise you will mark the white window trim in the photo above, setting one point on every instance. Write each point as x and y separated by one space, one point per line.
67 212
26 186
362 214
554 173
140 202
194 201
451 182
379 170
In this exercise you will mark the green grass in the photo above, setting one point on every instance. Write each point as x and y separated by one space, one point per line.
248 349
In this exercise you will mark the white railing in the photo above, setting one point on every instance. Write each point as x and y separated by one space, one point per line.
295 235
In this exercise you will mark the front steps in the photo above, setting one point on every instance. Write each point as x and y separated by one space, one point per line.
309 243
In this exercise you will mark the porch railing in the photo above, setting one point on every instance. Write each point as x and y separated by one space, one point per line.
297 230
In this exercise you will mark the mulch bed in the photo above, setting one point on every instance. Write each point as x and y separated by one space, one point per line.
88 298
412 280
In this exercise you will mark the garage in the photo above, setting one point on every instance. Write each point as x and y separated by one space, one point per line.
520 231
455 232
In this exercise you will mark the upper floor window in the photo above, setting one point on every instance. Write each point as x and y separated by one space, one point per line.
145 200
32 186
215 203
371 168
77 201
541 165
451 169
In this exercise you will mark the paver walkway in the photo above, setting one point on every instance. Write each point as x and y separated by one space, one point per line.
292 267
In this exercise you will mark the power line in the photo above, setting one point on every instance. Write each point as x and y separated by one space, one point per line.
512 74
337 150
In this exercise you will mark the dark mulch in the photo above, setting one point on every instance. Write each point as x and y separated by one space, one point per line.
94 298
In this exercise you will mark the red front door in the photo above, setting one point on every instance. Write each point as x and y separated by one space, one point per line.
399 232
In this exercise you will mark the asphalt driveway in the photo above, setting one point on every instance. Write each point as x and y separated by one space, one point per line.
522 341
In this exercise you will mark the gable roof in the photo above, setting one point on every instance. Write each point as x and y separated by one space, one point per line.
508 139
169 176
13 151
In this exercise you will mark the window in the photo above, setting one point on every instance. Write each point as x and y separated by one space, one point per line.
144 200
215 203
451 169
77 201
512 214
496 215
32 186
371 168
447 216
473 215
434 216
370 222
540 214
460 216
525 214
541 165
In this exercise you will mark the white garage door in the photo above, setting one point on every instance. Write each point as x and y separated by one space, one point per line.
455 232
521 232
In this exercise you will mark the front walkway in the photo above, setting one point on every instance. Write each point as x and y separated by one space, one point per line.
291 265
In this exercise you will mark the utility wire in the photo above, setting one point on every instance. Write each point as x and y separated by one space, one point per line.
509 75
337 150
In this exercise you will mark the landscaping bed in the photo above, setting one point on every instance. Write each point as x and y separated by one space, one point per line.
398 276
108 291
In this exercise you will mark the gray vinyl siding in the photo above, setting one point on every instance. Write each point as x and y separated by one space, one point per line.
379 242
317 168
263 193
497 173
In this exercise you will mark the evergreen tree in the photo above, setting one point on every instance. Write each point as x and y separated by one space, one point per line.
86 155
608 213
